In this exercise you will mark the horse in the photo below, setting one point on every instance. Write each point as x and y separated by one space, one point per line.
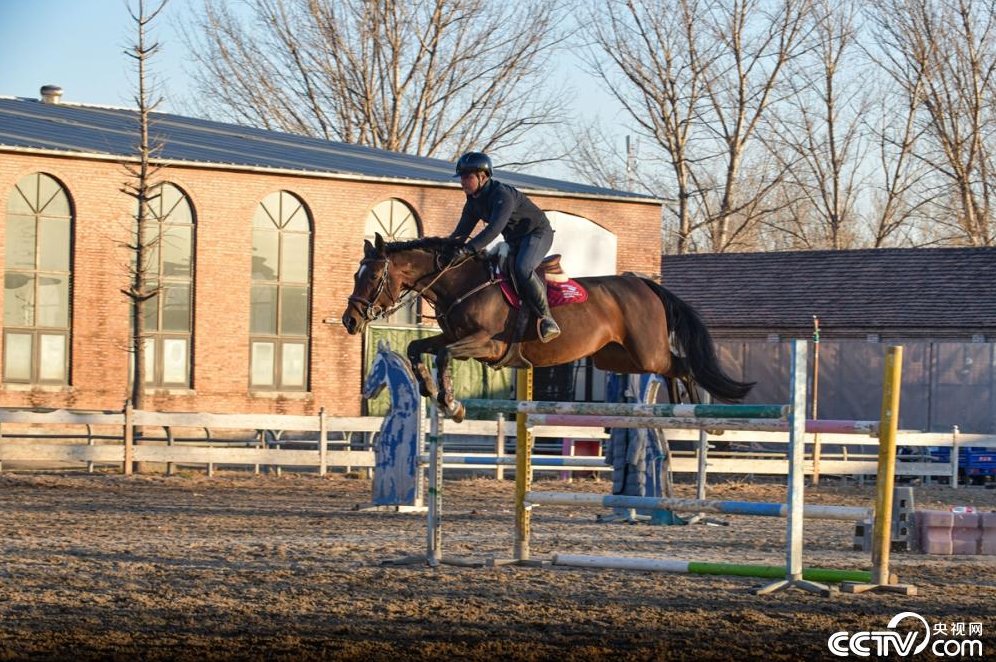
396 451
629 323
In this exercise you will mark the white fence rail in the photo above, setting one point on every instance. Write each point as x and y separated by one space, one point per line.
27 436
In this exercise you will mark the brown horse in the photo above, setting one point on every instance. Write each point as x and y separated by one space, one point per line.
629 324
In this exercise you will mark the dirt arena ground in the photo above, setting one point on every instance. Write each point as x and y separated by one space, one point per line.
243 567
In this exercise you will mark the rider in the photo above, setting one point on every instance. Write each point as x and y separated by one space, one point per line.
505 210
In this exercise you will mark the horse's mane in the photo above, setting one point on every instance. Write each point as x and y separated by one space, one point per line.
431 244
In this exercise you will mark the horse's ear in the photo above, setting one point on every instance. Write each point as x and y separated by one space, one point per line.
368 249
379 243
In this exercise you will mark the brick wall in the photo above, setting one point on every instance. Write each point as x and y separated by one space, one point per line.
224 202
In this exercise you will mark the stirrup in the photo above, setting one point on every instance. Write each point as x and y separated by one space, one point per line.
547 329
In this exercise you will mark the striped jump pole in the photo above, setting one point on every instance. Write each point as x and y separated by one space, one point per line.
523 467
539 462
704 568
491 407
434 524
702 423
752 508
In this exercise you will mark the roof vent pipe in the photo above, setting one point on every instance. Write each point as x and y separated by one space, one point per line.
51 94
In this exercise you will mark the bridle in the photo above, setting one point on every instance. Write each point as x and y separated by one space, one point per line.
370 310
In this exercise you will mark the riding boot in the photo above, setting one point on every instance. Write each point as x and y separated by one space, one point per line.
534 293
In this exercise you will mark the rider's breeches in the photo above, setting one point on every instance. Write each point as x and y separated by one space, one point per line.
529 253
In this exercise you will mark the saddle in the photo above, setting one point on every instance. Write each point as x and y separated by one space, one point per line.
561 290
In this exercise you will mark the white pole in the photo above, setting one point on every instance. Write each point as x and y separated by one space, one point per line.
434 551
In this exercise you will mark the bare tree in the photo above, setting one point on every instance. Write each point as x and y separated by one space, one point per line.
141 186
427 77
942 55
819 134
650 58
697 77
756 41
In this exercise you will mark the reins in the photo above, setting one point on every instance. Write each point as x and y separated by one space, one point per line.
371 310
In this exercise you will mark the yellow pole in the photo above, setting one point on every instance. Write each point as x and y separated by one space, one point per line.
882 532
523 465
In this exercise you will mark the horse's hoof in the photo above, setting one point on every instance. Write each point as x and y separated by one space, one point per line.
457 412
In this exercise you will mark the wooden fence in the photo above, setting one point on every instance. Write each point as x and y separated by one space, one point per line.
110 438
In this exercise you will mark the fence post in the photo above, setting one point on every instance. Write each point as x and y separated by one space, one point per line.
954 456
129 438
323 451
500 447
170 466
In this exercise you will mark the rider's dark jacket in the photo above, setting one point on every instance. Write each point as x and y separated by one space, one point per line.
504 210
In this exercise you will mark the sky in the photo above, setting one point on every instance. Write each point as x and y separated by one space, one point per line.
79 45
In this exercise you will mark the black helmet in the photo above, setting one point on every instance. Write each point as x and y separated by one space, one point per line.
473 162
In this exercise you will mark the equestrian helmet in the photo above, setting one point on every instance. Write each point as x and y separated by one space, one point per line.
474 162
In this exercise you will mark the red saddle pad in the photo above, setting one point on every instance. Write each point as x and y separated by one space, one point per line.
558 294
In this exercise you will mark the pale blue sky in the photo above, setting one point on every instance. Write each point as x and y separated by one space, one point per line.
79 45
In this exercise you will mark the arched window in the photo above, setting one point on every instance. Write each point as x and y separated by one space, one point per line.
169 236
395 221
37 282
281 276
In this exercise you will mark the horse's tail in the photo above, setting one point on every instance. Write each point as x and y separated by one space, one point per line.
691 338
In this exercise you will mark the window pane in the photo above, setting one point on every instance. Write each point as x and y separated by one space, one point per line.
176 307
265 244
19 299
149 352
404 315
53 244
266 213
292 365
169 196
263 312
58 206
53 301
17 357
175 361
180 214
262 364
294 311
294 215
294 258
20 242
150 247
51 199
53 358
176 249
21 197
150 313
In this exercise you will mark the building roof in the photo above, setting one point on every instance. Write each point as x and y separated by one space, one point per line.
65 128
937 292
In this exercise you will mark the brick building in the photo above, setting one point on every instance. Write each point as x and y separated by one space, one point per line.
260 233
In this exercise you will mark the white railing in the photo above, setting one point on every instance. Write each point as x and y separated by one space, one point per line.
109 439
